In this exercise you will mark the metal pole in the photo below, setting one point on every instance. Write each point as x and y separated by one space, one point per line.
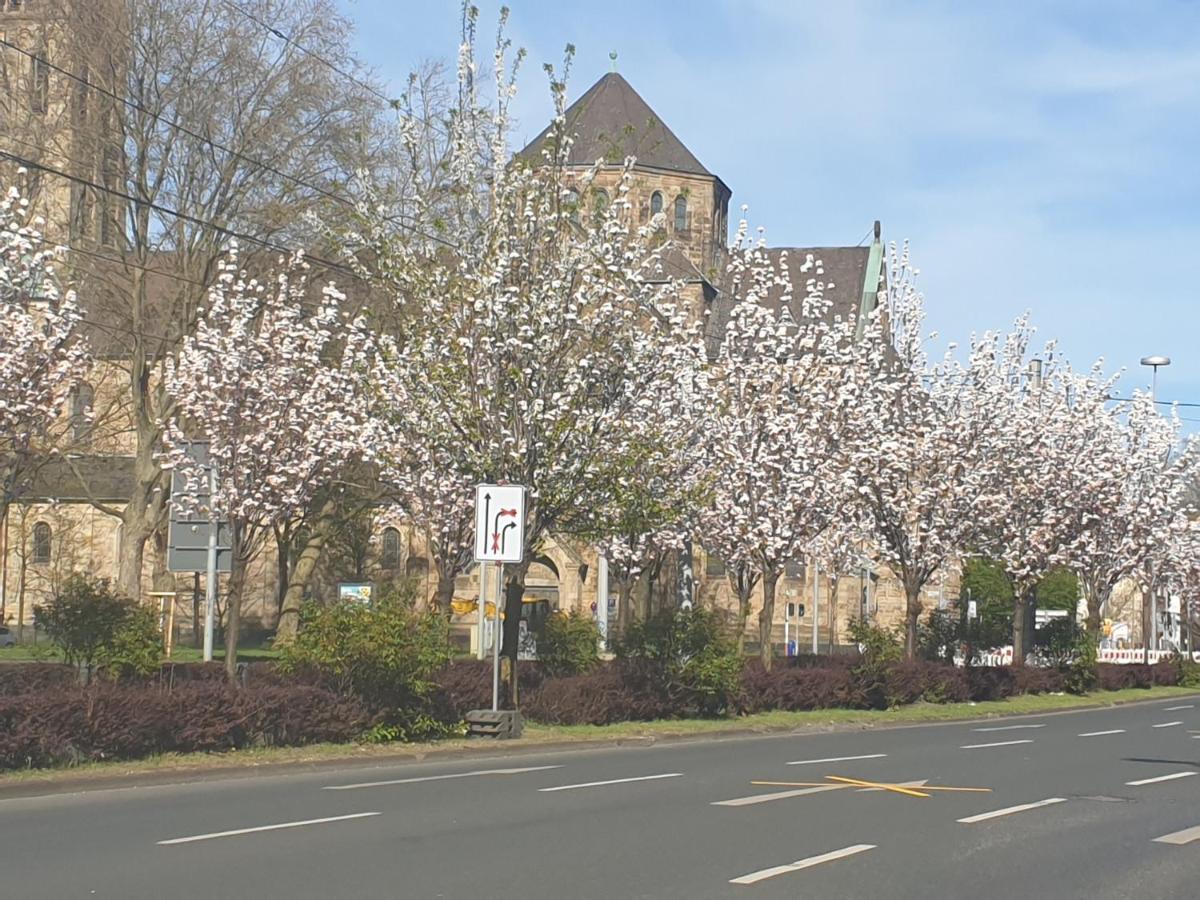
496 642
816 617
210 587
602 600
481 641
787 621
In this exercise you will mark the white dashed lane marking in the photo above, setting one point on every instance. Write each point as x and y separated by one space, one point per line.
1166 725
590 784
798 865
809 762
1177 708
281 825
476 774
1180 837
1010 810
1172 777
1008 728
996 744
1099 733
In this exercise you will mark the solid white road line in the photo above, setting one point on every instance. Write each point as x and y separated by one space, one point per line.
476 774
1180 837
764 874
1170 777
997 744
777 795
1185 706
588 784
809 762
1008 727
1166 725
1099 733
1008 811
221 834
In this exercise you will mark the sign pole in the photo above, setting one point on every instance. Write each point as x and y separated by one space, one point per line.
210 586
496 643
481 646
816 607
602 600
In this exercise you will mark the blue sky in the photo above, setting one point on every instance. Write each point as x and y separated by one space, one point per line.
1037 155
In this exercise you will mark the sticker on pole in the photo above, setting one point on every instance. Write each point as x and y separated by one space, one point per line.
499 523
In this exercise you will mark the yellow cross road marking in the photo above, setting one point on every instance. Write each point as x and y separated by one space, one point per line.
872 784
911 790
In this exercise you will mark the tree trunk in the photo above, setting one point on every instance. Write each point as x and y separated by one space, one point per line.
766 620
444 595
624 604
306 564
283 566
1021 639
1147 621
237 581
833 616
912 618
1096 599
514 593
743 618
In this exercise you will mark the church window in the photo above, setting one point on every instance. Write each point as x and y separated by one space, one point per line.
390 557
601 203
41 544
714 566
81 411
681 213
571 204
656 203
39 96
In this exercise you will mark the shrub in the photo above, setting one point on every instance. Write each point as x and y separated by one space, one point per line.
1189 672
911 680
938 637
70 725
796 688
84 618
135 648
24 678
991 682
685 657
1081 672
385 654
601 697
880 649
569 644
1038 680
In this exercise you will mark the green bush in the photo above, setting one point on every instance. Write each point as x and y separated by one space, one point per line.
385 653
881 648
135 649
686 655
1082 673
569 644
88 621
938 637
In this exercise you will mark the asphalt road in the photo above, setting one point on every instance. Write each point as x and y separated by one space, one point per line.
1096 804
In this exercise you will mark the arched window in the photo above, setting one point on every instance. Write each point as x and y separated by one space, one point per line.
81 411
656 203
571 205
41 543
681 213
601 203
390 557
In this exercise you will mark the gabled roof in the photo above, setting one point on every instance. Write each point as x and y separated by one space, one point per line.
611 122
844 271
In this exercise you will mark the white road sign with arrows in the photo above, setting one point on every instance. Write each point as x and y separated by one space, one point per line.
499 523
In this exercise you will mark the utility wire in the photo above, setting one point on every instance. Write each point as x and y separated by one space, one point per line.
175 124
185 217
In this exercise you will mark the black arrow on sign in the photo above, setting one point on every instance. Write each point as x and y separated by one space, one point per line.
504 534
487 504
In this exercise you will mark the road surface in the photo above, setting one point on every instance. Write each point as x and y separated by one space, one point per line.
1096 804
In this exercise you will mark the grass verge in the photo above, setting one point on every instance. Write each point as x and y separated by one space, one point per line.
546 735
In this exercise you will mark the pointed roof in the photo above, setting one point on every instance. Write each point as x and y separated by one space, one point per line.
610 122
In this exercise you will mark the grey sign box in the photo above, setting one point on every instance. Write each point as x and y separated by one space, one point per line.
187 536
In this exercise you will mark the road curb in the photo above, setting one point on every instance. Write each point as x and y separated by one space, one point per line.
60 781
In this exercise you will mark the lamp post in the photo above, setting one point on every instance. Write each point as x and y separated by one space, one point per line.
1149 624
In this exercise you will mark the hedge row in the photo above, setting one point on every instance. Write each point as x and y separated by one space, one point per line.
48 719
69 725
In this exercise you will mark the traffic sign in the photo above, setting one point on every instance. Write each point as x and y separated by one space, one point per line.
499 523
187 534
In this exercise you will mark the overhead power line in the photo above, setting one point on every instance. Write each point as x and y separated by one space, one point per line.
184 217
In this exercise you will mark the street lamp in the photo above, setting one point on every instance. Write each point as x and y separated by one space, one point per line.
1154 362
1149 625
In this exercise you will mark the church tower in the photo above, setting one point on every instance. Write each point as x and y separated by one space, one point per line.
60 65
611 122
